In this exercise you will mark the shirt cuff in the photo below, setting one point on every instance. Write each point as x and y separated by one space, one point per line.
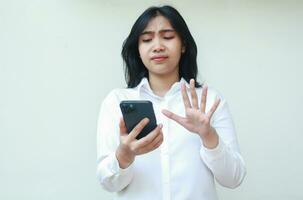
115 168
210 155
111 176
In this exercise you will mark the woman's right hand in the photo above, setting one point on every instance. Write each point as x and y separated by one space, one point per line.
129 146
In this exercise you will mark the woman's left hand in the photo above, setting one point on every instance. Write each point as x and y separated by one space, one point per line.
196 120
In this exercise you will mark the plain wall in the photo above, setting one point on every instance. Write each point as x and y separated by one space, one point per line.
58 60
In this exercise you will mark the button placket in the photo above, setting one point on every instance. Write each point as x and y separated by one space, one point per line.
165 153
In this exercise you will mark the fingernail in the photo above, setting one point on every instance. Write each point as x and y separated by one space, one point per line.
161 126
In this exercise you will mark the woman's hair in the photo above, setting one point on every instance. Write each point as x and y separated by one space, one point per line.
134 68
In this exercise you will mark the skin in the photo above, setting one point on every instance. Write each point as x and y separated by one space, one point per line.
196 120
159 39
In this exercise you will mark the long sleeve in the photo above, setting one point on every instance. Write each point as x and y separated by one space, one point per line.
111 177
225 161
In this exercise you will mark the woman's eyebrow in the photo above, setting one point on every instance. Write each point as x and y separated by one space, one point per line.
161 31
146 32
166 30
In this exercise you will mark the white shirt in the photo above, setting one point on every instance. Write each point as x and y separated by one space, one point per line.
181 168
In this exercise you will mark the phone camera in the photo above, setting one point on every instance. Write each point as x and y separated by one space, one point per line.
129 108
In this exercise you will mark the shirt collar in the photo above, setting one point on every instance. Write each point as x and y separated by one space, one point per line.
144 84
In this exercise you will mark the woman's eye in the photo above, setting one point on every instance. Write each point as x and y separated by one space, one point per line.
146 40
169 37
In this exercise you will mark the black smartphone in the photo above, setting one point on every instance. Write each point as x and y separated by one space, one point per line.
134 111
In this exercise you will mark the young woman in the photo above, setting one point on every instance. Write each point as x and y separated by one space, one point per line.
195 141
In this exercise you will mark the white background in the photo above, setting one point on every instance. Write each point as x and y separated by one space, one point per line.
58 60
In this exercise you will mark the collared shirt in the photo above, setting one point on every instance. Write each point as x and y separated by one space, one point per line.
181 168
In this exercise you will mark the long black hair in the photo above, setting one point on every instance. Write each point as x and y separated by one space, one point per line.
133 66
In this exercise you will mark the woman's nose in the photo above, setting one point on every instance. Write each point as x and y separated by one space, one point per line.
158 46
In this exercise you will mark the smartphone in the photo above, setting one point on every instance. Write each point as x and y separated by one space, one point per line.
134 111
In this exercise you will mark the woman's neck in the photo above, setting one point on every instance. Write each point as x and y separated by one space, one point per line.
161 84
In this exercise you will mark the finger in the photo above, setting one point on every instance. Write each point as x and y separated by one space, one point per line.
138 128
153 145
159 143
123 129
185 96
194 97
203 98
213 108
149 137
156 140
174 117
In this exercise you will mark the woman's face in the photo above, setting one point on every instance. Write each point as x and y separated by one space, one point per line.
160 47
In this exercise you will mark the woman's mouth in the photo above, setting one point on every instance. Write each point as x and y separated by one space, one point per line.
159 58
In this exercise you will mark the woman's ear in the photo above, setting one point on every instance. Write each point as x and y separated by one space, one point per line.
183 49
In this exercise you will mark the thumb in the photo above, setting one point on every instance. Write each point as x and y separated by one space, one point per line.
167 113
173 116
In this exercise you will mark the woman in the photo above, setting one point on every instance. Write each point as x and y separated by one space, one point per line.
194 142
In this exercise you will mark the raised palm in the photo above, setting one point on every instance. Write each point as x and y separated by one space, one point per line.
195 120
